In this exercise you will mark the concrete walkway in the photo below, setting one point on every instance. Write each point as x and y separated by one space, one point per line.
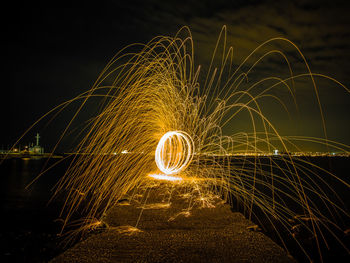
168 231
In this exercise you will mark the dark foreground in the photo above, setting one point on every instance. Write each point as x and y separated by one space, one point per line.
30 226
171 234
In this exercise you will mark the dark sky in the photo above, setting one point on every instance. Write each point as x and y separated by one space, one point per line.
51 54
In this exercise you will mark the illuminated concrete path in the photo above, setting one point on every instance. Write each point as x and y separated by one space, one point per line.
206 235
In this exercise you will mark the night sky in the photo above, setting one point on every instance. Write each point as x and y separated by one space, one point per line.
51 55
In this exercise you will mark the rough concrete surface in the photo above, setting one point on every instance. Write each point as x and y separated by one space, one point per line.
168 231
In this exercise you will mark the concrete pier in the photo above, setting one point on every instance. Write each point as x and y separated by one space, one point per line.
158 226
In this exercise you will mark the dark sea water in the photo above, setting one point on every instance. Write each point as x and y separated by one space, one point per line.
333 251
29 225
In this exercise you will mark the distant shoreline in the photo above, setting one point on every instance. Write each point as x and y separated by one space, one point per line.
29 156
26 156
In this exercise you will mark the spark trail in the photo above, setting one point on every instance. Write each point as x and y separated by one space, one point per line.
159 117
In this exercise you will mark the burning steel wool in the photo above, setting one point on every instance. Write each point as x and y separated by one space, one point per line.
161 119
174 152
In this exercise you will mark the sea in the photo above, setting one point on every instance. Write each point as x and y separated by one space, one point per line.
31 225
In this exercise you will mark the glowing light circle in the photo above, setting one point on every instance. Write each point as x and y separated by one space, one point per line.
174 152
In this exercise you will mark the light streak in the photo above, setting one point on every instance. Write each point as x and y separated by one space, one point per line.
155 104
174 152
165 177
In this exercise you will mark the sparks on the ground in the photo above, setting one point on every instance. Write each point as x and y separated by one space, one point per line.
165 177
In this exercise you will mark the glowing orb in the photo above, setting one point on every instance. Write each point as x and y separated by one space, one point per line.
174 152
